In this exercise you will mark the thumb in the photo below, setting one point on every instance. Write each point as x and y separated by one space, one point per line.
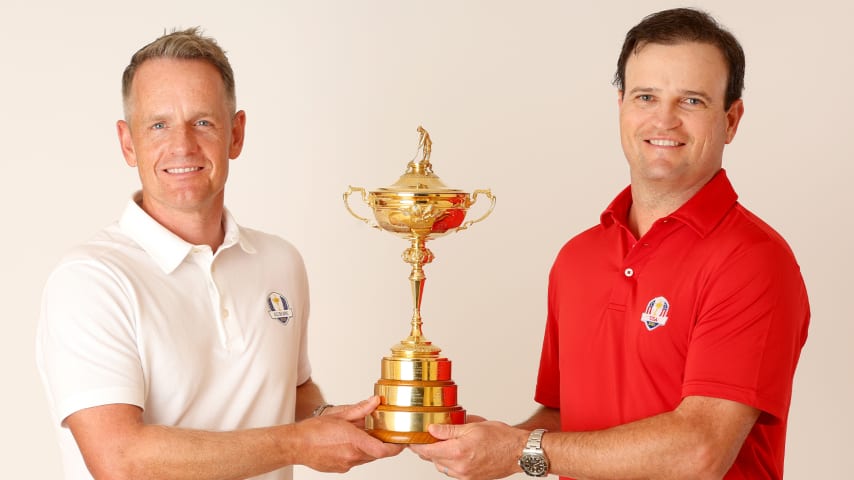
445 431
359 410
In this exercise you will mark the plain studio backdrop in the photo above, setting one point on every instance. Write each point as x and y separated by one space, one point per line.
517 98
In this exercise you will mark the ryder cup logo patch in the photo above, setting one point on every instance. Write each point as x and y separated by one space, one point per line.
655 314
278 308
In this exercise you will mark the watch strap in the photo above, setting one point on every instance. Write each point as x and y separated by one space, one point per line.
320 408
535 439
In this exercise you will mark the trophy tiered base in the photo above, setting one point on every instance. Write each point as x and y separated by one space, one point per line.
415 392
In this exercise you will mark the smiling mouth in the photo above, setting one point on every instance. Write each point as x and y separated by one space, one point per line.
664 143
183 170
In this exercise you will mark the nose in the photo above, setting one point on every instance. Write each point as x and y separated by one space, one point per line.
183 141
666 116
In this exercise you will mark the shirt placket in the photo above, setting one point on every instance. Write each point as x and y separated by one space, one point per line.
635 256
203 257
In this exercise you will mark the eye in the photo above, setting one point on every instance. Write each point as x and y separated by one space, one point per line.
158 126
203 123
645 97
694 102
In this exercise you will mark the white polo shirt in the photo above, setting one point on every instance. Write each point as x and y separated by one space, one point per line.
213 341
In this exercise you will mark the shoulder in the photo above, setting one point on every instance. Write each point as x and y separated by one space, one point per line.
92 281
109 250
268 243
584 243
265 249
747 236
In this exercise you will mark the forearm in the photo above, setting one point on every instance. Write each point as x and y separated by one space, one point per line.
186 454
168 453
117 444
645 449
684 443
544 417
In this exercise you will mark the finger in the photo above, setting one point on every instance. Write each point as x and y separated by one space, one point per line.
377 448
423 451
359 410
444 470
392 449
474 419
444 431
388 449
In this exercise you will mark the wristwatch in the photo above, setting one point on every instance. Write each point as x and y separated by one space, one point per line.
320 409
533 460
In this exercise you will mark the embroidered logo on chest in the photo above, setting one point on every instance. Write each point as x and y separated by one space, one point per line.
655 314
278 308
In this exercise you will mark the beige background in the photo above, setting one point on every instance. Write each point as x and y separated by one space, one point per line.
517 98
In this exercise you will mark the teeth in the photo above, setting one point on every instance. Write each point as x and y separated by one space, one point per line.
183 170
664 143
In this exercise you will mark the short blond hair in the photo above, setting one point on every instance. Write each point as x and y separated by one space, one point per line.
187 44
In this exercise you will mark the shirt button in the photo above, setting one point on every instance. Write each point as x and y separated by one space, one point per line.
629 272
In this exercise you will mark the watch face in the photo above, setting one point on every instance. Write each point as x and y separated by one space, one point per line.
534 465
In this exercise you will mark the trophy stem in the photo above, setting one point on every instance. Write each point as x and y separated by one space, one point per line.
416 283
416 344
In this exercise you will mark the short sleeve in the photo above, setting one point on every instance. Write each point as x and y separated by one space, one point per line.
749 334
547 392
85 342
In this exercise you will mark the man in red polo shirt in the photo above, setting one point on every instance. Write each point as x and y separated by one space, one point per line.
674 325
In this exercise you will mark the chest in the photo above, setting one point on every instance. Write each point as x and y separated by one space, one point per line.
219 324
634 303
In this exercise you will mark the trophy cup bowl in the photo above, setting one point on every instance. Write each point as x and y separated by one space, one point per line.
415 385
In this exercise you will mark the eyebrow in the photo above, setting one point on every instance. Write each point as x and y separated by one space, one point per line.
684 93
162 116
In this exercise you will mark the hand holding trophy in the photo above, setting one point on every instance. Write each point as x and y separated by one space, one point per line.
415 384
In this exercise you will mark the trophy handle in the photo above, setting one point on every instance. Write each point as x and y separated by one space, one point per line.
350 190
488 194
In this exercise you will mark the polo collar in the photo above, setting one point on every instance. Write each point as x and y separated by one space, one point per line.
164 247
702 212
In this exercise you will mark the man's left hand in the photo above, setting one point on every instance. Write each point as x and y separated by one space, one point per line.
474 451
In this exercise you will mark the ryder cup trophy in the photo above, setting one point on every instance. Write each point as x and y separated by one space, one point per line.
415 384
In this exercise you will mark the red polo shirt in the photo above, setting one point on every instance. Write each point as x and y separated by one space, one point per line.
709 302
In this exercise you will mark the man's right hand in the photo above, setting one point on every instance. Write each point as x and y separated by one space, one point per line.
335 442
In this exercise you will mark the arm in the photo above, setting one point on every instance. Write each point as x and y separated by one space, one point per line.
699 439
116 443
309 397
544 417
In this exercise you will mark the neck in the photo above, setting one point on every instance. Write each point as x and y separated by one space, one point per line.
199 227
650 204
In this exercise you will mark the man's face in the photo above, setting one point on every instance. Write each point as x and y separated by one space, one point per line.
673 125
180 135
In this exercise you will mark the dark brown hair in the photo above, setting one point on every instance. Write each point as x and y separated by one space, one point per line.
670 27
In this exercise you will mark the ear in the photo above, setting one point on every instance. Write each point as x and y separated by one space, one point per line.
733 117
238 129
126 142
620 94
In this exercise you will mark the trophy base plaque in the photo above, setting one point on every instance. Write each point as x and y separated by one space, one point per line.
415 392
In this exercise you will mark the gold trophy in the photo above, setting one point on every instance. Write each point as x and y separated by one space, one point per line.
415 384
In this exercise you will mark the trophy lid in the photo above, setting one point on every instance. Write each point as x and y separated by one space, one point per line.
419 177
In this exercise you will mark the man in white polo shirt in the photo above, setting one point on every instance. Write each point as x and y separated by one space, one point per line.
173 344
